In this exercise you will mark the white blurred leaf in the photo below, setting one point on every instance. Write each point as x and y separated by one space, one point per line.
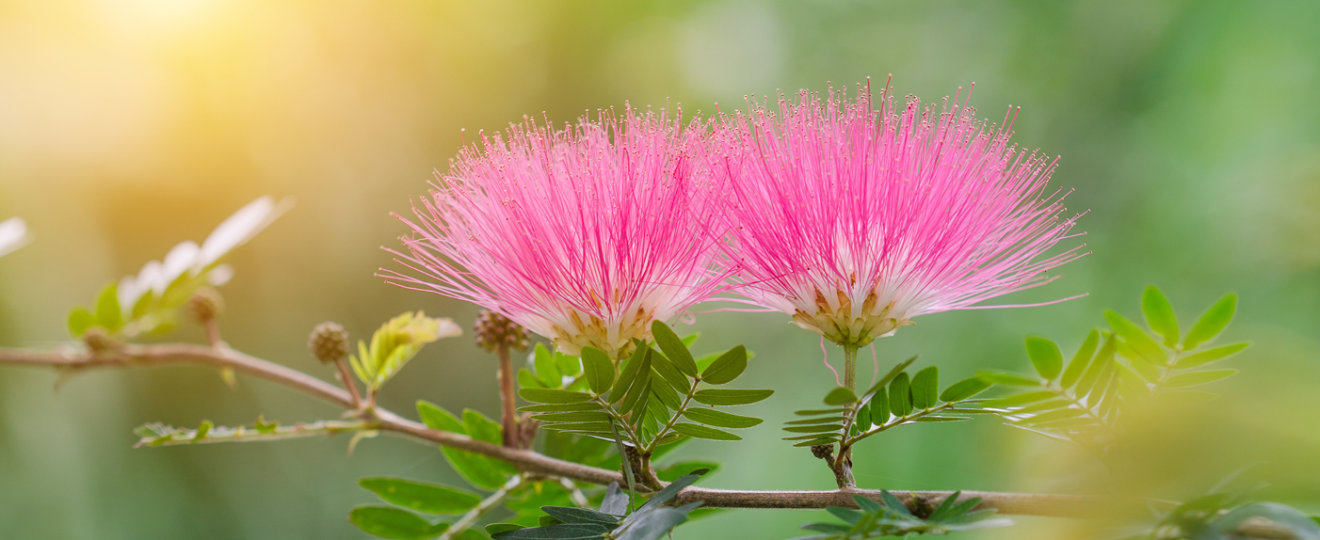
220 275
239 228
179 260
13 235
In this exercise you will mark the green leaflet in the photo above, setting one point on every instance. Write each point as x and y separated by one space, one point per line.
730 396
727 367
1212 322
394 523
1045 356
421 496
722 419
1159 315
674 348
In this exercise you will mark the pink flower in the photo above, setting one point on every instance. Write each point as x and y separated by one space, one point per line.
854 220
583 234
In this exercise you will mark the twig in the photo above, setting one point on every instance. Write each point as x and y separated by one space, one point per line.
527 460
486 505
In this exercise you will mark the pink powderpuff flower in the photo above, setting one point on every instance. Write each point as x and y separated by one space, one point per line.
855 220
584 235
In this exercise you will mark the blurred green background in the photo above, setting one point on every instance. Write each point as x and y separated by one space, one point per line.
1189 129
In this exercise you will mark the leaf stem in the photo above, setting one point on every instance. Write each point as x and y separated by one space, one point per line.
848 443
669 426
850 367
508 403
486 505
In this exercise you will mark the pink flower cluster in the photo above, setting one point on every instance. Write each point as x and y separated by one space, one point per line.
583 234
854 219
850 218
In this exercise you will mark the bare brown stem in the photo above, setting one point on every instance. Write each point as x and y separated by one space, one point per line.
527 460
346 377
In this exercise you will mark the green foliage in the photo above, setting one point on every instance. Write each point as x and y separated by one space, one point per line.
421 496
480 471
390 522
1114 371
1222 516
891 517
896 399
395 343
646 395
652 521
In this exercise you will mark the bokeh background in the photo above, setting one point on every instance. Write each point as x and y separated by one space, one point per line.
1189 130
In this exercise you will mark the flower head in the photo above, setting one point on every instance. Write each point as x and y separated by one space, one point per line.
855 220
583 234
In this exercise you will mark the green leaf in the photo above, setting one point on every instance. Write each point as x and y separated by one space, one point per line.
638 363
1212 322
712 417
926 388
1045 356
108 312
599 369
1060 414
436 417
665 368
1008 379
1080 360
1159 315
900 395
1195 378
666 394
879 406
819 428
496 528
889 377
614 502
1211 355
569 514
575 416
562 531
478 470
568 365
562 407
547 370
1020 399
421 496
527 379
655 524
840 396
551 395
1138 339
703 432
964 389
1100 366
482 428
727 367
79 321
672 472
388 522
730 397
674 348
863 421
637 398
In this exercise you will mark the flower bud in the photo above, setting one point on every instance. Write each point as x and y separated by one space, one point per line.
205 305
99 340
823 451
494 330
328 342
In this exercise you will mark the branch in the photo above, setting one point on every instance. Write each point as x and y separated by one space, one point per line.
526 460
